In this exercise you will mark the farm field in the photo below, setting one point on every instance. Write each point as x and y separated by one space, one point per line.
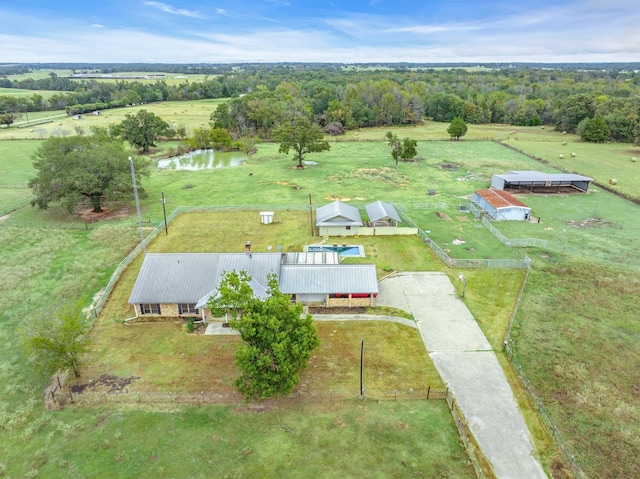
576 316
170 78
18 92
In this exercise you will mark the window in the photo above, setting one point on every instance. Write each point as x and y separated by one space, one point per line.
149 309
187 308
348 227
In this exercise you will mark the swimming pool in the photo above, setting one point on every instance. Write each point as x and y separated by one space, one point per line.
342 250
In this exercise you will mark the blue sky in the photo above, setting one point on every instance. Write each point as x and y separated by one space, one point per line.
210 31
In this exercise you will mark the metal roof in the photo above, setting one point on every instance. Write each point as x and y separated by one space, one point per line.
519 175
380 210
500 199
338 214
328 278
311 257
188 277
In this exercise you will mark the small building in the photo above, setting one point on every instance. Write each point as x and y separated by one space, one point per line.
534 181
266 217
382 214
338 219
501 205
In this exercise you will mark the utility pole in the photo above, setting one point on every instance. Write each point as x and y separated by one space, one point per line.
164 212
313 230
361 368
135 193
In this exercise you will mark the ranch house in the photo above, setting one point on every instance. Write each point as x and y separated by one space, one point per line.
181 284
500 205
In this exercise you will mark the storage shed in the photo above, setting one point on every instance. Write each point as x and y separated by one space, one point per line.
382 214
500 205
338 219
532 181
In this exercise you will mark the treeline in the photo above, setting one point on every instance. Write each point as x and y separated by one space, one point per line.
359 97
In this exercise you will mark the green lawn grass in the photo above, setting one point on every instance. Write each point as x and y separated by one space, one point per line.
577 336
20 93
40 265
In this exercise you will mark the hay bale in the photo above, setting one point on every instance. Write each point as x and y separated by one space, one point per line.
573 155
564 132
613 181
564 143
633 159
561 156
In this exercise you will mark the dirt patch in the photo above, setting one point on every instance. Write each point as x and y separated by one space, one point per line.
449 166
462 218
589 223
108 382
442 216
88 215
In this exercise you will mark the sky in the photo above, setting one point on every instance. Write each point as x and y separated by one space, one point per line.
337 31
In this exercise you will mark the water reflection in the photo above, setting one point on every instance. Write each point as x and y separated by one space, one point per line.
203 160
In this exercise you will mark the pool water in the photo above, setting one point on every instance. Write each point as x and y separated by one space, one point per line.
348 250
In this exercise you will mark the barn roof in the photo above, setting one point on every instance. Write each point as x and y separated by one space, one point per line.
380 210
328 278
338 214
188 277
527 176
500 199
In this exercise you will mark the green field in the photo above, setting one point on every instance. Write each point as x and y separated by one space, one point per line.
575 331
20 93
190 115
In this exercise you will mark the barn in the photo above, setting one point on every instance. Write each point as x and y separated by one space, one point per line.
501 205
536 181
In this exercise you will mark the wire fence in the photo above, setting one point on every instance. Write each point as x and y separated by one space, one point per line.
522 262
547 421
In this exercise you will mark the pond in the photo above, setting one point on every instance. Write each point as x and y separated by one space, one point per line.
203 160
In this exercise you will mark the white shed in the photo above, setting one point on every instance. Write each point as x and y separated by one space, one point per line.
266 217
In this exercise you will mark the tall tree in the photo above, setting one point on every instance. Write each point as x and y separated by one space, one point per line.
142 130
302 136
405 149
56 341
279 341
595 130
457 128
77 167
233 295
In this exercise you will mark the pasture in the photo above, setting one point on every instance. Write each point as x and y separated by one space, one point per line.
574 332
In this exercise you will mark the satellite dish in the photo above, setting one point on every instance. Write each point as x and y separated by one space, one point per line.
269 247
279 247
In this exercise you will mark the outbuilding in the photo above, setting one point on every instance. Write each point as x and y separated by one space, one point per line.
338 219
382 214
501 205
536 181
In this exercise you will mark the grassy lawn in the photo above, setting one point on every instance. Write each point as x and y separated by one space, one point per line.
575 330
332 439
577 336
15 171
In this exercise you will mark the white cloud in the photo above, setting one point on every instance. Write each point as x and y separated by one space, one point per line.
175 11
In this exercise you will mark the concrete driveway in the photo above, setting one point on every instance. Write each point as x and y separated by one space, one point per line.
469 367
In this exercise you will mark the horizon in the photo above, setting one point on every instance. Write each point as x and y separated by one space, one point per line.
290 31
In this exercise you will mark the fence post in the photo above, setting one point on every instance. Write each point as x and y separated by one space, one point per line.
428 391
